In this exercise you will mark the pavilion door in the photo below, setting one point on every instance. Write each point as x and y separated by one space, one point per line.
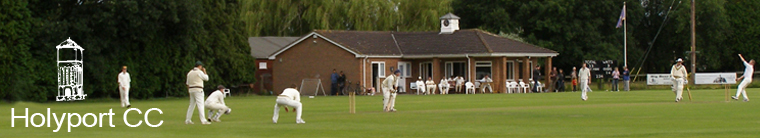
405 68
378 72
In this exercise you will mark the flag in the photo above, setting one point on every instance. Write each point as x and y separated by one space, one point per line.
621 19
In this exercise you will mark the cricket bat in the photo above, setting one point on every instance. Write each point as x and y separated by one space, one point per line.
689 92
390 100
388 106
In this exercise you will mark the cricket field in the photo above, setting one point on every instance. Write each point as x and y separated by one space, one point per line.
644 113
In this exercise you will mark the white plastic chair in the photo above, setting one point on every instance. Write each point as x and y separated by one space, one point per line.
516 87
540 87
469 87
227 92
413 86
524 86
511 87
477 86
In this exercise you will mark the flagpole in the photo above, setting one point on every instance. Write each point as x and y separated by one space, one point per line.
625 39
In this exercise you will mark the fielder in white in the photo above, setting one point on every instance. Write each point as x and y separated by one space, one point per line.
194 84
124 81
389 91
430 86
748 70
289 97
678 74
215 103
585 79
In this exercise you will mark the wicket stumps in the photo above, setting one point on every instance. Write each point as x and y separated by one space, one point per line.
725 86
352 102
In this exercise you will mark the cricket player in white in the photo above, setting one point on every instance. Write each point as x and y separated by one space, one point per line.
194 84
460 82
215 102
585 79
430 86
420 85
748 70
486 84
678 74
389 91
124 81
443 86
289 97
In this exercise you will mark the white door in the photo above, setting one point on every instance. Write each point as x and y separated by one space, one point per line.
406 72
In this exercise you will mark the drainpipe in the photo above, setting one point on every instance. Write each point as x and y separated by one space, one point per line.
364 71
469 70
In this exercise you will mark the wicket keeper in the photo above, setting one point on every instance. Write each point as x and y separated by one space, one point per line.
215 103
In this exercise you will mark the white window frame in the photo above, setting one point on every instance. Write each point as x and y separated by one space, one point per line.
530 67
406 69
422 64
511 70
381 68
450 71
490 65
263 65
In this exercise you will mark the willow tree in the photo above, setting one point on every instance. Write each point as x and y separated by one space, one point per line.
297 17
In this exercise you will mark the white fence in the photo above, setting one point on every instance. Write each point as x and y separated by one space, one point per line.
701 78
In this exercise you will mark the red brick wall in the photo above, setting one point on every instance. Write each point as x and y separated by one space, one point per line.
267 84
389 62
307 59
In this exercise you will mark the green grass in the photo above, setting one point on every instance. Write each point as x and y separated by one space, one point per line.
649 113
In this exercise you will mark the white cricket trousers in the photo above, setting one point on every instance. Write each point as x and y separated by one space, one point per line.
443 89
196 99
285 101
678 87
124 94
584 89
742 90
389 99
430 89
218 107
421 88
483 88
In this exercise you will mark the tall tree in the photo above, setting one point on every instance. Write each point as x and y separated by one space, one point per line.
580 29
298 17
15 40
159 41
743 33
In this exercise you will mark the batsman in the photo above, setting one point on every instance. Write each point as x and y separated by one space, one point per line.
389 91
678 75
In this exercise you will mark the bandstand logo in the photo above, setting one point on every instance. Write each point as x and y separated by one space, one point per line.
70 69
